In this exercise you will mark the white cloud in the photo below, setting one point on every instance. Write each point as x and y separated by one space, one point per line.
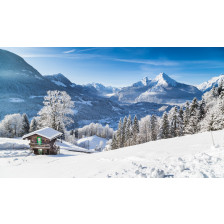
70 51
149 62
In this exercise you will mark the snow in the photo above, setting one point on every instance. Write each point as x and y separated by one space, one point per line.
110 94
45 132
11 143
188 156
70 147
92 142
59 83
144 82
16 100
163 108
206 86
164 80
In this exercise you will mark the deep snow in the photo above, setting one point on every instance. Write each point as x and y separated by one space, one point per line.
188 156
92 142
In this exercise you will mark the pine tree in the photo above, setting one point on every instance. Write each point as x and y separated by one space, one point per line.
119 134
154 128
135 130
186 116
125 120
181 122
165 129
214 92
211 123
114 144
192 126
128 132
25 124
220 87
202 110
174 122
33 125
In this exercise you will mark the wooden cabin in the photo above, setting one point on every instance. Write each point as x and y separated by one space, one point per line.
42 142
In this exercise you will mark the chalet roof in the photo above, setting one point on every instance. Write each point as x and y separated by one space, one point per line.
47 132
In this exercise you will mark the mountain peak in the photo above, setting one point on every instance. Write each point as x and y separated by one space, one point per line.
144 82
164 80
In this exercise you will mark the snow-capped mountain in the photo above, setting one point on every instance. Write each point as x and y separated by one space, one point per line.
104 90
206 86
162 89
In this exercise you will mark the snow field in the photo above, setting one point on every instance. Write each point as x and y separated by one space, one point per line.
188 156
6 143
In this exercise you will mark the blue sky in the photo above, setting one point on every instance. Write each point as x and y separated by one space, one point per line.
124 66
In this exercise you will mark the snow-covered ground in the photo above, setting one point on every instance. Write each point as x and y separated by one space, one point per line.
6 143
188 156
92 142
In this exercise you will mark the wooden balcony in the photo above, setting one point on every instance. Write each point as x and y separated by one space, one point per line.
43 146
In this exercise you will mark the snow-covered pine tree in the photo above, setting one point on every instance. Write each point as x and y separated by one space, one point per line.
125 120
186 116
214 91
119 134
135 130
114 144
220 87
72 132
154 128
202 111
165 127
192 126
128 131
173 122
25 124
33 125
181 122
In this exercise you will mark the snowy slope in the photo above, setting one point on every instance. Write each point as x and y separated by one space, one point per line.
188 156
70 147
92 142
8 143
206 86
60 80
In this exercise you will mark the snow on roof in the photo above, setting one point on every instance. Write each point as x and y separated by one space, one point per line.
47 132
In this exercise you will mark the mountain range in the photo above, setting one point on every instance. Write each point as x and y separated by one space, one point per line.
22 89
162 89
